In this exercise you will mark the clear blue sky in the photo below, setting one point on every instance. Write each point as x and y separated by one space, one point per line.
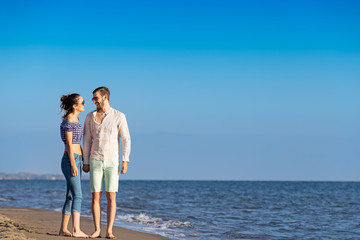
222 90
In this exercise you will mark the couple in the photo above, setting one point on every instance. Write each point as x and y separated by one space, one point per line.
102 131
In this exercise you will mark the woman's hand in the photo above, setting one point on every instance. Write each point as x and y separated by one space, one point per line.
74 171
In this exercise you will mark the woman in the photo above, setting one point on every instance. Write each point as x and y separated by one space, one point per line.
71 132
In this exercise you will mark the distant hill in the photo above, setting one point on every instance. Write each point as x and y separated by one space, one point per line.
32 176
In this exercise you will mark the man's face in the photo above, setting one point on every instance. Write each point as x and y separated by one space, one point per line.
98 100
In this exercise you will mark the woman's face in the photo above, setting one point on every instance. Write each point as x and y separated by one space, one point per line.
80 106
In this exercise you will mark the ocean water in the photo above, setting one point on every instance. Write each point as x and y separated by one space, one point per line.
214 209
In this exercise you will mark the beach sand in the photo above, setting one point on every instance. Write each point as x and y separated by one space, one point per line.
33 223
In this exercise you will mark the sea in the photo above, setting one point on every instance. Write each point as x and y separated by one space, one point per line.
209 210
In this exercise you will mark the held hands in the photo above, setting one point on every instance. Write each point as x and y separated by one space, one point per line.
124 167
86 168
74 171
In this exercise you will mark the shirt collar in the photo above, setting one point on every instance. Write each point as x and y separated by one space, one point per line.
105 113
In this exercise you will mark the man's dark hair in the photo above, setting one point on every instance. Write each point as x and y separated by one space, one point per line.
103 91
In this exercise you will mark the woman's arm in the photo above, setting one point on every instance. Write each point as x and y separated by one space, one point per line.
69 147
87 141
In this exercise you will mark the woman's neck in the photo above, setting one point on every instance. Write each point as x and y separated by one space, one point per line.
73 117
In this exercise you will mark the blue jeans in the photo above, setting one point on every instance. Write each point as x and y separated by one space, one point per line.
73 183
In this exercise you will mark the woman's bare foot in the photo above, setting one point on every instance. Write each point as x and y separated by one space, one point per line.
96 234
65 233
80 234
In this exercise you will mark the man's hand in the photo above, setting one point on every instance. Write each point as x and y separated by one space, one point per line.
124 167
86 168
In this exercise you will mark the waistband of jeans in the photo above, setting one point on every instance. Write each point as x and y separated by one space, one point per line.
76 156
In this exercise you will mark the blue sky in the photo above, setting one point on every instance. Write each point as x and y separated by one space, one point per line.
222 90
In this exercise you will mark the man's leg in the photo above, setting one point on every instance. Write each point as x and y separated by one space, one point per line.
96 210
111 176
111 210
96 180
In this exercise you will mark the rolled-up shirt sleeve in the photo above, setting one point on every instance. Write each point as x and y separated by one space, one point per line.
87 140
124 134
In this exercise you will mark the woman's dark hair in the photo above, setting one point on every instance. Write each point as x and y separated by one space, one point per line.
67 103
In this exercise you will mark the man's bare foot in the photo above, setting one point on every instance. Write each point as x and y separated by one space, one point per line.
110 236
80 234
96 234
65 233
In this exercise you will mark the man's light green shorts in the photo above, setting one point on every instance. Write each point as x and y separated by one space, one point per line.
107 170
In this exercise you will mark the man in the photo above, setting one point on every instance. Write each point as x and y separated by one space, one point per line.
103 130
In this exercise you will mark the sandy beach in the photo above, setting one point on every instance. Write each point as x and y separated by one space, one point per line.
32 223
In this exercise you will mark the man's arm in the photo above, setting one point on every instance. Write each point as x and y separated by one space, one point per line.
125 142
87 144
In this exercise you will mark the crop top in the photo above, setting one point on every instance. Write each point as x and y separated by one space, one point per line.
74 127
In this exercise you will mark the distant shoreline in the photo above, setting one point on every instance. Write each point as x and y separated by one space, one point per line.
85 177
34 176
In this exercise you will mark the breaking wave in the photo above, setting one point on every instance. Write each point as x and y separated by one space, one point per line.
149 221
6 199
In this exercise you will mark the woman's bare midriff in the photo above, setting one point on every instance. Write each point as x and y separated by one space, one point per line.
76 149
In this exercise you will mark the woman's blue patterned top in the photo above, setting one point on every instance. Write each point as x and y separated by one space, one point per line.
74 127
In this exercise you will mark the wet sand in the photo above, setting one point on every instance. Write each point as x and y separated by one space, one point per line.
33 223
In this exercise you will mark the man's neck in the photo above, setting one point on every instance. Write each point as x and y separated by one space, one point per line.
104 109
